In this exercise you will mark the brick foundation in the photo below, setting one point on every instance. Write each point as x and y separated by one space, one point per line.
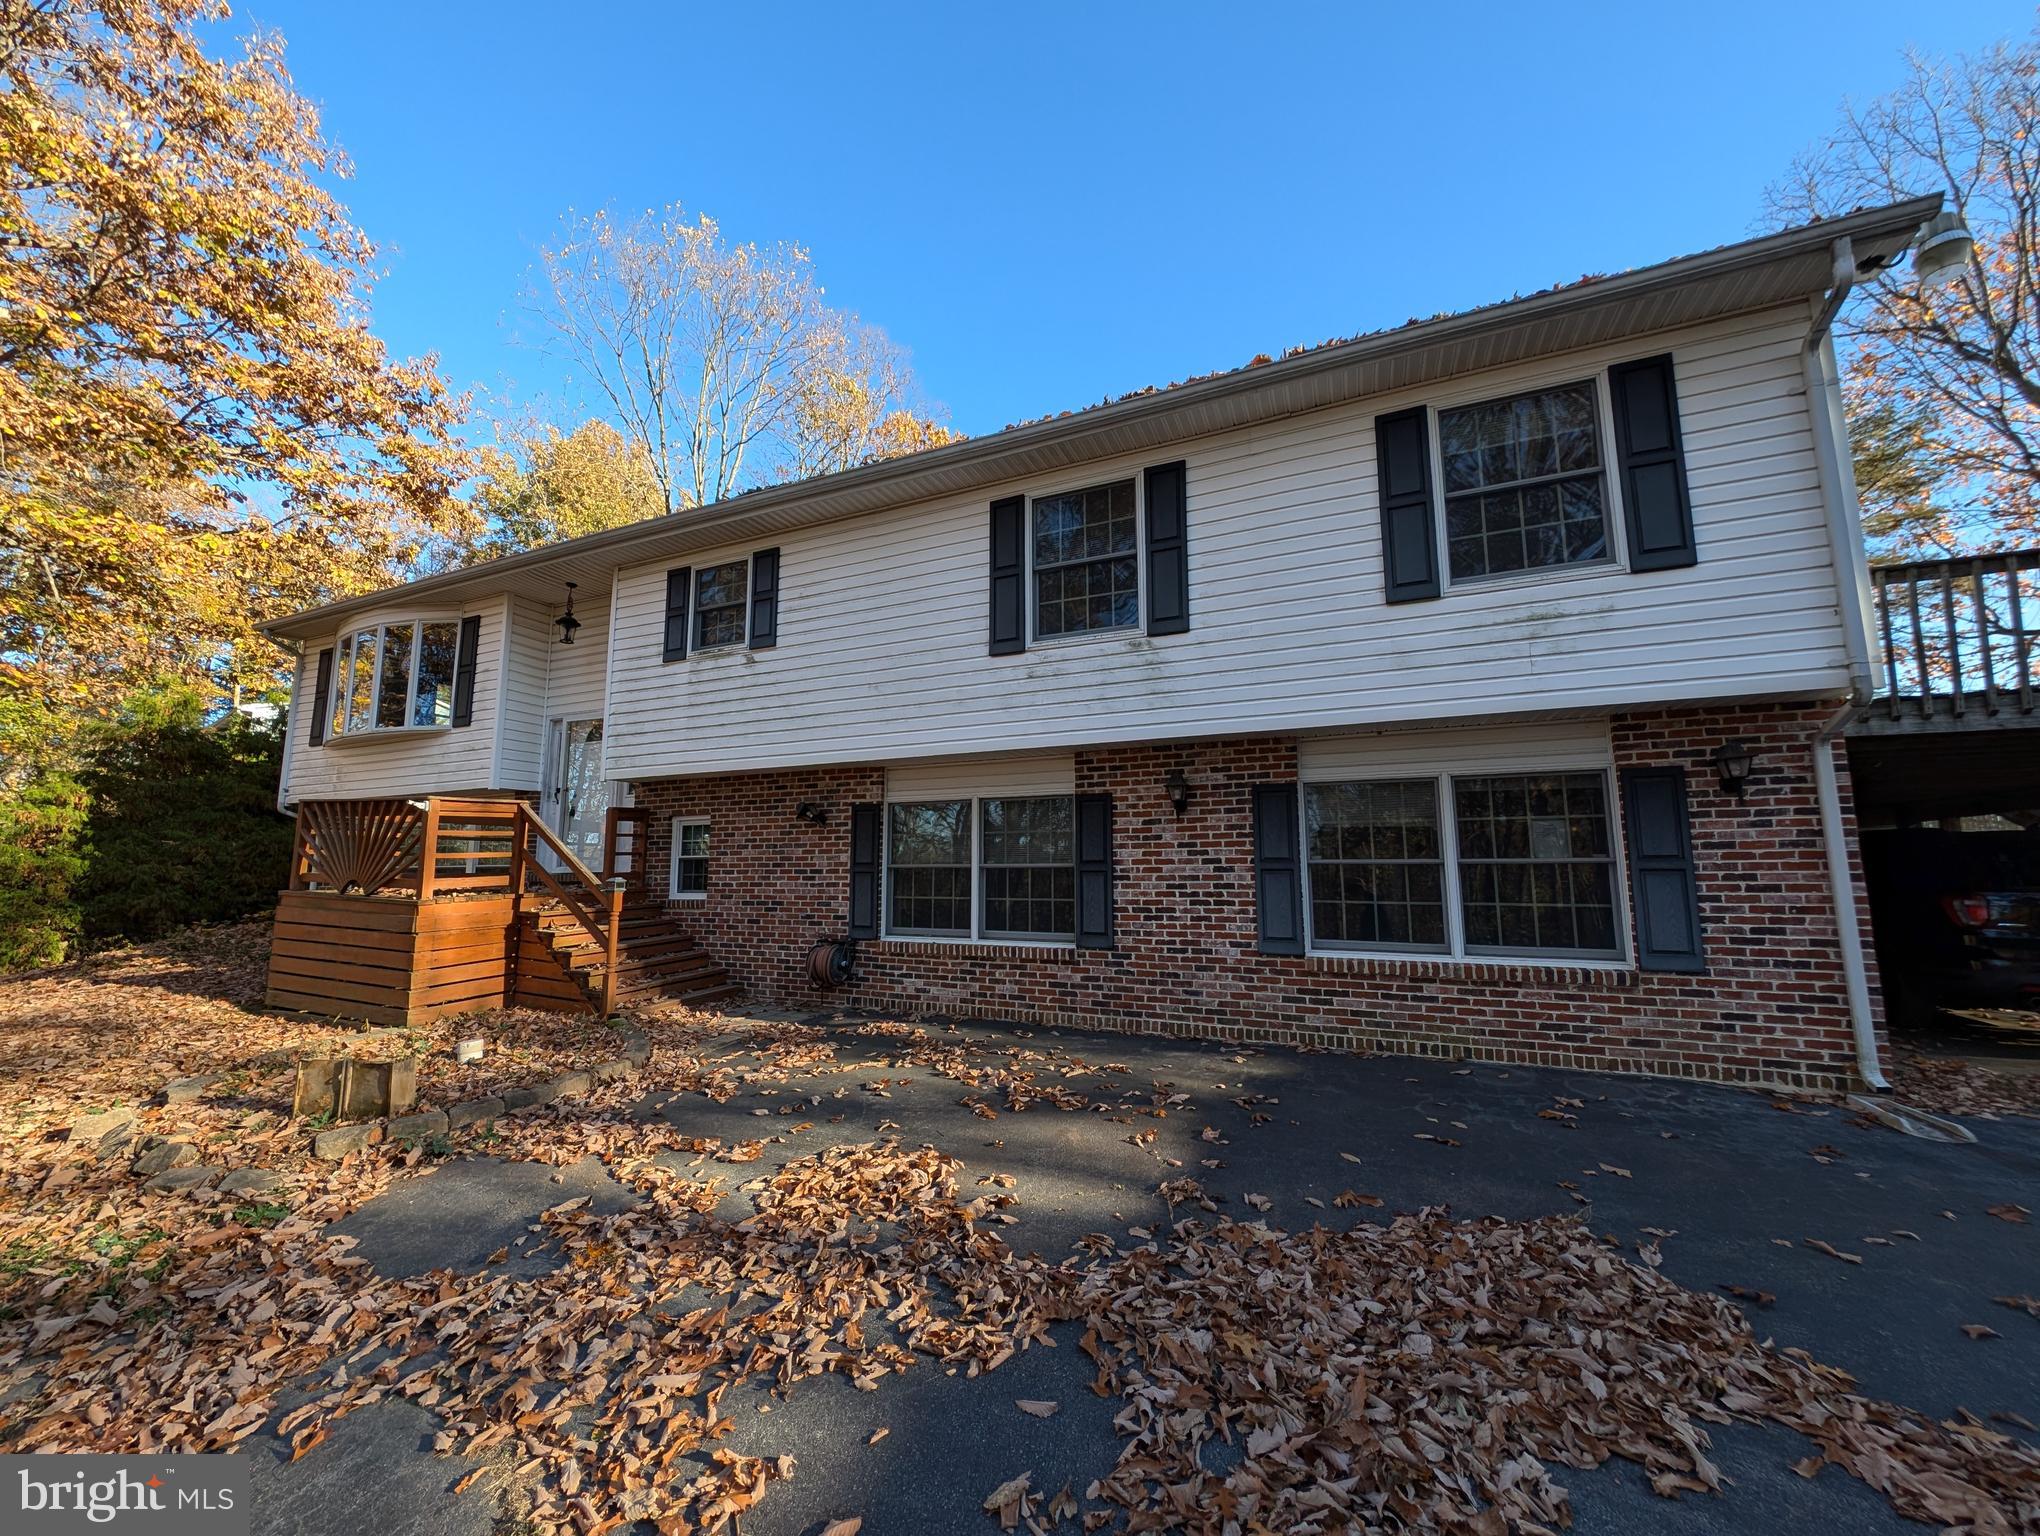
1771 1008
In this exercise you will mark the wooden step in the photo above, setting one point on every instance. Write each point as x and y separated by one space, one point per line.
656 957
678 955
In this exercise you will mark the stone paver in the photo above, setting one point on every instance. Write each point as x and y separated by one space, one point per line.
161 1156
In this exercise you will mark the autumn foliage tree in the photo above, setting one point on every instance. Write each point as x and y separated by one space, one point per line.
720 361
1944 383
539 485
197 431
197 427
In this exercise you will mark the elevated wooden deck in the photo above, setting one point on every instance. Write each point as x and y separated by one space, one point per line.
400 912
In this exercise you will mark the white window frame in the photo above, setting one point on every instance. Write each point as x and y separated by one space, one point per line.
341 691
673 891
1455 951
1090 482
694 648
978 933
1617 558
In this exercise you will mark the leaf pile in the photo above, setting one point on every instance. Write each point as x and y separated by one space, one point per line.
1949 1085
115 1027
1431 1375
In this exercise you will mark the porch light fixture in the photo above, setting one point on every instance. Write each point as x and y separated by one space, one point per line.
1942 255
566 621
1178 787
808 811
1732 761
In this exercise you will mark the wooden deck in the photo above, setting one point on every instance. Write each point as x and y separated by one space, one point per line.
396 959
401 912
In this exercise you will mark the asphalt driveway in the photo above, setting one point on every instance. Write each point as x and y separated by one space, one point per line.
1721 1187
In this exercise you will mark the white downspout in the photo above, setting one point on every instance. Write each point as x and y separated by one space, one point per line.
291 721
1852 591
1842 886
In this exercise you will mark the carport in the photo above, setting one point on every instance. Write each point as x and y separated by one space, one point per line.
1946 768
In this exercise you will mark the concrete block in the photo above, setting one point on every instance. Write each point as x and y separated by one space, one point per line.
331 1146
431 1122
473 1112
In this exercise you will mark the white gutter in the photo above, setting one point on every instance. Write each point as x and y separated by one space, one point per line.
1842 885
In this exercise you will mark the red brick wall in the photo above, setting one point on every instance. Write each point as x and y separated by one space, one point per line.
1771 1007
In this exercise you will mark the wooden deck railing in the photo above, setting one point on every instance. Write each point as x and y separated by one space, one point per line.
450 845
436 846
1958 635
623 845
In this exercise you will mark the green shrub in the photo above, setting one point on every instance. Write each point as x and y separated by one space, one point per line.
123 829
183 826
42 828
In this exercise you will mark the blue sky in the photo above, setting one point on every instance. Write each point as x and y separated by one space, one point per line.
1048 206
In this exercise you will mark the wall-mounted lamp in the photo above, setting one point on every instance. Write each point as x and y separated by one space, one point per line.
1732 761
566 621
808 811
1942 251
1178 787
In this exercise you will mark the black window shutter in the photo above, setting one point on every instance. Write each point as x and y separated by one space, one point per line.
464 669
1094 871
1009 576
1662 886
1409 530
863 872
1655 505
1278 871
679 591
764 599
322 692
1168 559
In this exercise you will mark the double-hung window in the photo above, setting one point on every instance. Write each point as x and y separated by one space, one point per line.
1086 561
1524 483
1472 864
721 603
993 867
395 676
690 858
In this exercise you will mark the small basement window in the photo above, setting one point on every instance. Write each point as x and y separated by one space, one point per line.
396 676
1524 487
690 858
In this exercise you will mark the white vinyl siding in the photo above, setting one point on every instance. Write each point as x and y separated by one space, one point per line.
882 652
577 674
520 750
958 778
402 763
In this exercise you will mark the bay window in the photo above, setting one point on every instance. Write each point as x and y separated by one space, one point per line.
1464 864
395 676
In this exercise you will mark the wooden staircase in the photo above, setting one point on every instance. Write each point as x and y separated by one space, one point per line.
656 959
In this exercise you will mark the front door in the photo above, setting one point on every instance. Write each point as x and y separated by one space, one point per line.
576 793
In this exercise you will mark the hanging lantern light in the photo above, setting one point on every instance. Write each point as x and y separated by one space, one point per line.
566 621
